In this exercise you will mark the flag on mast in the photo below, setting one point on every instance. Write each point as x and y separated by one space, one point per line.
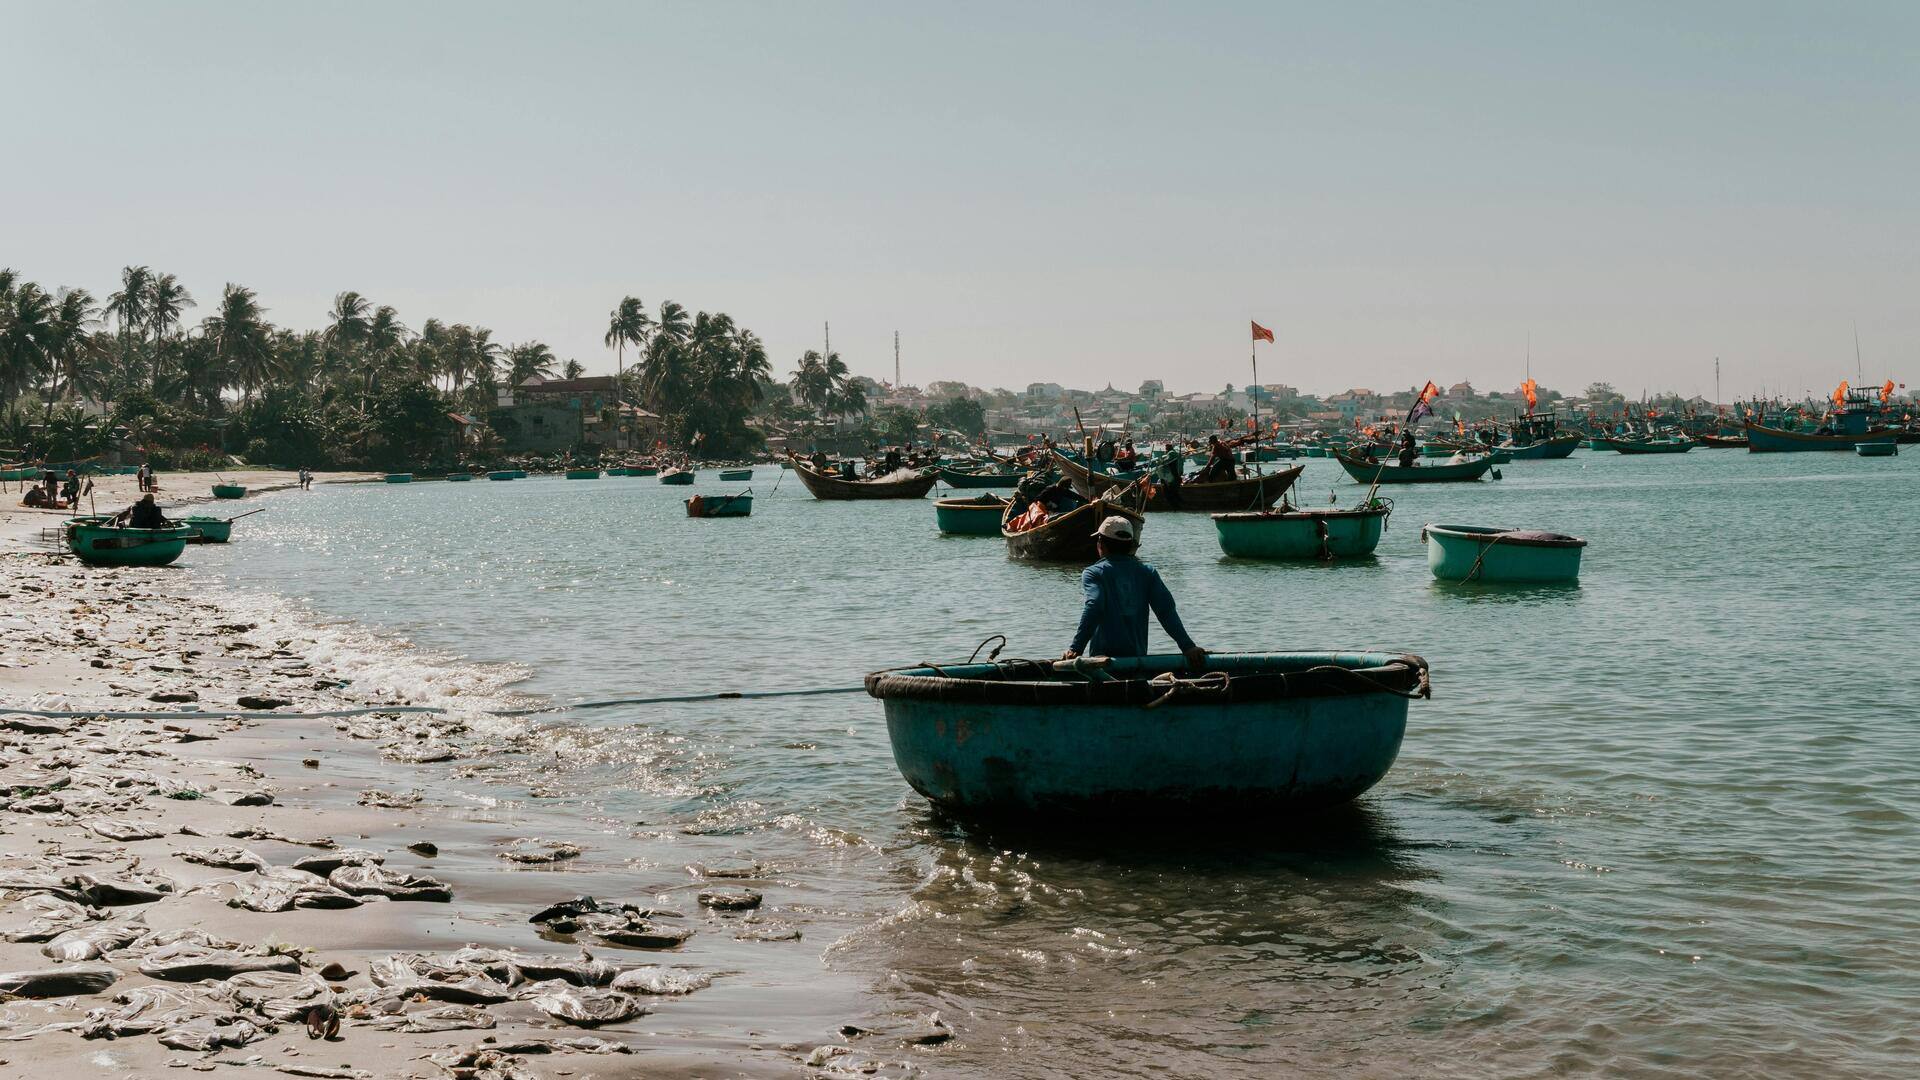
1423 405
1261 333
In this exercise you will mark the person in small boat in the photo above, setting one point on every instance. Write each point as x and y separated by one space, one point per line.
893 460
1120 590
144 514
1126 457
818 461
1407 452
1219 464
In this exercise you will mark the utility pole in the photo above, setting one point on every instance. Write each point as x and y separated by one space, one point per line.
896 361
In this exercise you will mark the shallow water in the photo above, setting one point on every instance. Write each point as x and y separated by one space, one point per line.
1662 823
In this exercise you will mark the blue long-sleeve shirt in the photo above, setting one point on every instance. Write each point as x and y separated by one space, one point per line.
1119 591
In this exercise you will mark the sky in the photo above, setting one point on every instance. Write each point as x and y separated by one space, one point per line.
1084 193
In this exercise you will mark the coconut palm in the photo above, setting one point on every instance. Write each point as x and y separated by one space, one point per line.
167 302
128 308
627 325
24 338
70 344
530 360
242 339
573 369
346 330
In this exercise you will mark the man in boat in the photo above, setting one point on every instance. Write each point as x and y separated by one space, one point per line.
893 460
144 514
1219 464
1407 452
1120 590
1125 458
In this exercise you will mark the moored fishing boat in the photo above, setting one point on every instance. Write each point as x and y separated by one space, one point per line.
458 477
1558 446
399 478
677 477
583 474
229 491
1652 446
914 485
643 470
208 530
1217 497
1291 533
719 506
1876 449
96 543
979 515
1501 555
1086 741
503 474
1368 472
736 474
961 478
1722 442
1068 537
1778 440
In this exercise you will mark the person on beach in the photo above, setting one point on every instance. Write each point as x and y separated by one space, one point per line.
143 480
70 490
1120 590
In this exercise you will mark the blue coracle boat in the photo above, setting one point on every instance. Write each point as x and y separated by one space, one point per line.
1028 741
1501 555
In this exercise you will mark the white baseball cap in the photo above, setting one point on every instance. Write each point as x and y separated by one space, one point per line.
1116 528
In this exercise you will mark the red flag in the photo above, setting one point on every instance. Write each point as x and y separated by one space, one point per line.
1423 405
1261 333
1840 394
1886 391
1531 390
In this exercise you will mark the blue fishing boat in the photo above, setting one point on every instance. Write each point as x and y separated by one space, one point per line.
1679 445
1851 426
1384 472
1088 741
503 474
1501 555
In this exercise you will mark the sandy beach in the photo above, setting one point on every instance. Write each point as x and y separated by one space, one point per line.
192 875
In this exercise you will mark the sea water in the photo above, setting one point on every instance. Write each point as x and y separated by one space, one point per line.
1661 823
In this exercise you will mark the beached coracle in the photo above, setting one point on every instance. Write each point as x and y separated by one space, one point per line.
1218 497
1368 472
229 491
911 486
1289 533
1501 555
976 516
209 530
399 478
1083 742
719 506
98 544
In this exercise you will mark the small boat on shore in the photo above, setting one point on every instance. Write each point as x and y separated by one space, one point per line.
1501 555
913 485
1068 537
1876 449
721 506
1290 533
1082 742
399 478
229 491
503 474
677 477
736 474
458 477
976 516
208 530
1241 494
960 478
583 474
1368 472
96 543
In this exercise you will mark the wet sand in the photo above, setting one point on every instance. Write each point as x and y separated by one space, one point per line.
98 818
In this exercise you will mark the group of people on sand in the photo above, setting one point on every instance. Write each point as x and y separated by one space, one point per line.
53 493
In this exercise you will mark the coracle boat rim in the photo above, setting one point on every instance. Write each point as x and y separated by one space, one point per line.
1228 678
1506 536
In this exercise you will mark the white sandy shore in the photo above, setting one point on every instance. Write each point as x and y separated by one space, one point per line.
89 641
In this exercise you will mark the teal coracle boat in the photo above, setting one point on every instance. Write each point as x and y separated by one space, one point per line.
677 477
209 530
98 544
458 477
736 474
1876 449
720 506
958 478
229 491
1501 556
1289 533
1086 742
1367 472
399 478
583 474
976 516
503 474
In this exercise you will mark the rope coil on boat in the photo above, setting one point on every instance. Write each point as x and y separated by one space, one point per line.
1212 684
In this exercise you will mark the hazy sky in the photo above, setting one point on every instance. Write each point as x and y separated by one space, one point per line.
1076 193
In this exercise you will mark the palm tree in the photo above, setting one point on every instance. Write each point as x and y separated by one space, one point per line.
242 339
24 338
70 344
129 307
628 325
483 357
167 301
574 369
346 328
429 350
528 361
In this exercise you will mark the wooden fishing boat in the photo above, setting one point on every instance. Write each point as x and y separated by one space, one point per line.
827 487
643 470
960 478
98 544
1876 449
678 477
229 491
208 530
736 474
1068 537
1597 444
1501 555
721 506
503 474
976 516
1722 442
1368 472
1290 533
1081 743
1652 446
459 477
1547 449
1219 497
399 478
583 474
1776 440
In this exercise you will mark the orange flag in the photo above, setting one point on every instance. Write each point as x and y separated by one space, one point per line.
1840 394
1532 391
1261 333
1886 391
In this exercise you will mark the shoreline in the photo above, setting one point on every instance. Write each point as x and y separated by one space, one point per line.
124 799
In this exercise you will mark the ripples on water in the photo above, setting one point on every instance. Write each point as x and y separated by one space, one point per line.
1659 823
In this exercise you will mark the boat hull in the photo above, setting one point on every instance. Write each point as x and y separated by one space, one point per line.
1068 537
978 516
583 474
1656 446
1301 534
208 530
677 478
1877 449
1367 472
720 506
1765 440
1092 752
835 489
954 478
98 545
1558 447
1221 497
459 477
229 491
736 474
1494 555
